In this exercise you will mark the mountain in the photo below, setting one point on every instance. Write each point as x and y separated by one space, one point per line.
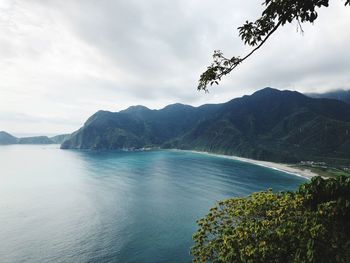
35 140
343 95
136 127
270 124
275 125
6 138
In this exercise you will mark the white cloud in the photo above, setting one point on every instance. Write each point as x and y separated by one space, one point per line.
60 61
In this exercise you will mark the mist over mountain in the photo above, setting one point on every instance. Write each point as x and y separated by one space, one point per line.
343 95
270 124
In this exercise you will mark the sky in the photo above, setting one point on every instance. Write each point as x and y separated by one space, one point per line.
61 61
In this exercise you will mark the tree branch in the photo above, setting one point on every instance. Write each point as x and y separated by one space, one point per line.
262 42
223 66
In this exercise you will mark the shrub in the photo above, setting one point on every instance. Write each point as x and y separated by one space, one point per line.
309 225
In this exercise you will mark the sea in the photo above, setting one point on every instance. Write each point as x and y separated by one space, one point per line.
115 206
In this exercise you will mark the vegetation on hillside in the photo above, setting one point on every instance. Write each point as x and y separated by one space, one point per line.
325 170
309 225
271 125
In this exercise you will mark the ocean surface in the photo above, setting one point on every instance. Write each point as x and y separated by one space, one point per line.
75 206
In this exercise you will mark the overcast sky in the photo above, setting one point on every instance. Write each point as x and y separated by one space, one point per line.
61 61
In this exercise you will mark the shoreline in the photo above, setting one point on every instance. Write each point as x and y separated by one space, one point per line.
286 168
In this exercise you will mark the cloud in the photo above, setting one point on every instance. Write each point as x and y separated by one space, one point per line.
67 59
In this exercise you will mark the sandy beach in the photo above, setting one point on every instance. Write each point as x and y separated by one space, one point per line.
277 166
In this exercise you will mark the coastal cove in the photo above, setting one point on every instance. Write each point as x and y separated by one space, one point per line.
285 168
114 206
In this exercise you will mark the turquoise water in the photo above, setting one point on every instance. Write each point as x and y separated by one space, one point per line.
70 206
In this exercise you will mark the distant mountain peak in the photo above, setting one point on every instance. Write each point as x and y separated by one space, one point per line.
5 133
136 108
6 138
267 89
272 92
177 106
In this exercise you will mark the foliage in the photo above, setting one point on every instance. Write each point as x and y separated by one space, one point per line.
310 225
277 13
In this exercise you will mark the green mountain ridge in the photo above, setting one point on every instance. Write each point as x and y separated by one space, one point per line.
273 125
136 127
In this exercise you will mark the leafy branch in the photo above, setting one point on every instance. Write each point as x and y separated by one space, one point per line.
277 13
